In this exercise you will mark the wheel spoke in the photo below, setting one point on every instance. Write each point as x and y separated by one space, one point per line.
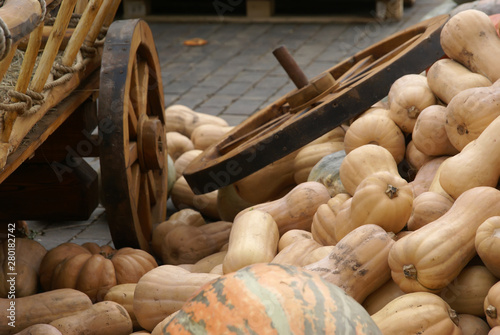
132 119
151 187
139 86
135 184
132 156
144 208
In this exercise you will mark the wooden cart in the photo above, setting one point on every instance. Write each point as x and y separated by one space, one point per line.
76 85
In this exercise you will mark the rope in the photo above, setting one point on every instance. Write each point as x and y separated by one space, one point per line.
43 6
5 40
27 102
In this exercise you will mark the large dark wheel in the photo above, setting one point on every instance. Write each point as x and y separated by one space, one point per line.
133 153
285 125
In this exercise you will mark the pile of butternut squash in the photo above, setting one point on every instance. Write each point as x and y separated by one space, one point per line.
400 208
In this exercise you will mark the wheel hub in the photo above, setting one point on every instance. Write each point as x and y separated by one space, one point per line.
151 142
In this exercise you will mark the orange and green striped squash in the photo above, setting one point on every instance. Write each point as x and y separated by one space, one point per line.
268 298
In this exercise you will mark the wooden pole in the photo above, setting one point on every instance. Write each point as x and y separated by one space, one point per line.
107 7
52 47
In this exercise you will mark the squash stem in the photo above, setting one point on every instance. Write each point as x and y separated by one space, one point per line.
491 311
391 191
410 271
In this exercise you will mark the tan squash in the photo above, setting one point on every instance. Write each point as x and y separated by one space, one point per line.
230 203
158 330
427 207
254 239
308 156
163 291
182 196
124 295
205 135
207 263
435 185
494 331
184 120
466 293
296 253
415 158
417 313
358 262
40 329
50 306
177 144
478 164
188 244
186 216
472 325
470 38
364 161
429 134
382 296
327 172
487 243
323 224
23 257
492 305
431 257
218 269
296 209
470 112
425 175
382 199
292 236
408 96
317 254
102 318
376 129
184 160
447 77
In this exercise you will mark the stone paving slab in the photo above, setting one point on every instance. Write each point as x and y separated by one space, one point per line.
235 75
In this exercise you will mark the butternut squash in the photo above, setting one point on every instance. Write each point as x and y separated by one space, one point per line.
417 312
40 329
470 38
317 254
50 306
124 295
296 209
182 196
205 135
472 325
323 224
376 129
408 96
468 290
188 244
447 77
163 290
184 160
382 296
487 243
470 112
476 165
425 175
364 161
177 144
254 239
427 207
25 255
207 263
429 133
296 253
431 257
292 236
415 158
102 318
184 120
326 172
492 305
358 262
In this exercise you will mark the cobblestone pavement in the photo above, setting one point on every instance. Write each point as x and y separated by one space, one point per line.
235 75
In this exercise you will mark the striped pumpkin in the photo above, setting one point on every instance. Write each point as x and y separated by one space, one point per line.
267 298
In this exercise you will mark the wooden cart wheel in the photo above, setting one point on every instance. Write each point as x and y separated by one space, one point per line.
278 129
133 156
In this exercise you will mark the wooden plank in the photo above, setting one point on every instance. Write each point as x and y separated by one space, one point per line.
260 8
39 191
28 138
